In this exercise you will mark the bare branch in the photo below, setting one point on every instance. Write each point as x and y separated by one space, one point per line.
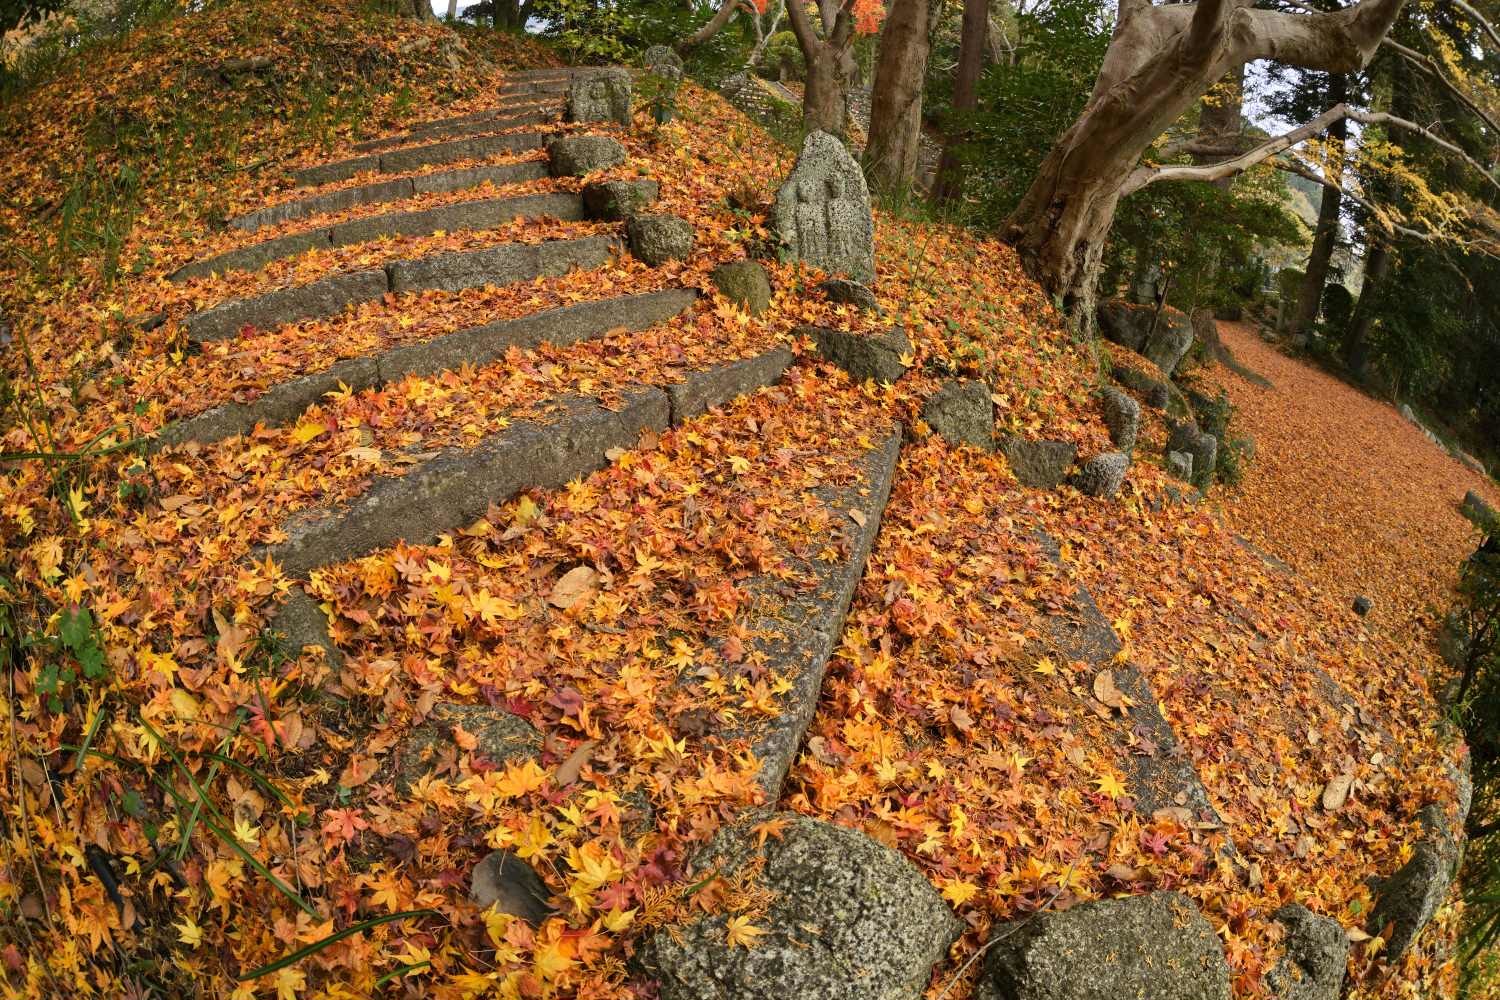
1142 176
1339 42
1478 19
721 17
1430 66
1293 166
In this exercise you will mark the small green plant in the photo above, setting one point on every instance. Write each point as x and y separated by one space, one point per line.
76 656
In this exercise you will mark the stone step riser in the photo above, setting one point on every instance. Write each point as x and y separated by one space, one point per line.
531 113
457 488
476 346
402 160
442 182
485 214
502 265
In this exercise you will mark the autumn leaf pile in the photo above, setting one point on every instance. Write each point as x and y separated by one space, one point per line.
248 802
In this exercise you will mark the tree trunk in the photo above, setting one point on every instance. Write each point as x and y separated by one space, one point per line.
894 146
1357 342
825 101
1326 234
950 177
452 11
1220 122
721 17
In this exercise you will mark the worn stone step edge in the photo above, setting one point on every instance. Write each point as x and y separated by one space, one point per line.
476 345
412 157
800 637
486 213
505 117
505 264
458 487
1156 779
442 182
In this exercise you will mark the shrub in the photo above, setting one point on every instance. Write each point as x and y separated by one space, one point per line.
783 57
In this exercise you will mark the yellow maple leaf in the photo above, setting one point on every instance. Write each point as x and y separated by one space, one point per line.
959 891
189 933
741 932
1110 785
305 432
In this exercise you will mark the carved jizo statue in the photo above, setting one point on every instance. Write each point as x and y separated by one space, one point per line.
822 213
603 96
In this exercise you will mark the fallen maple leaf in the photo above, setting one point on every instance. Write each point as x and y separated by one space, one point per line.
1336 792
741 932
572 586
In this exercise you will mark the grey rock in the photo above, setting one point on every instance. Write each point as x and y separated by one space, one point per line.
1156 945
1407 412
961 412
500 736
1157 394
510 885
255 256
822 213
844 291
1470 462
715 386
1204 448
1317 953
1170 342
1453 641
1102 475
744 283
863 356
328 297
1478 510
657 239
1122 415
1125 324
662 61
1409 899
579 155
1042 465
456 487
601 96
1180 465
849 919
332 201
1363 605
613 201
338 170
301 623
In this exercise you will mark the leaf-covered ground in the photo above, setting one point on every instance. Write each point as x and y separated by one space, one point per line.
250 803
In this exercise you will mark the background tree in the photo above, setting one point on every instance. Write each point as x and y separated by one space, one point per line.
894 144
827 48
972 41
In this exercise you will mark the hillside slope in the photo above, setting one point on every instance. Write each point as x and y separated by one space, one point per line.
580 571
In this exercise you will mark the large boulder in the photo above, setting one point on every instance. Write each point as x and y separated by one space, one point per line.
822 213
1168 344
1122 415
600 96
1317 952
961 412
612 201
1156 946
1125 324
1042 465
1204 448
580 155
1156 392
657 239
744 282
1102 475
882 357
848 919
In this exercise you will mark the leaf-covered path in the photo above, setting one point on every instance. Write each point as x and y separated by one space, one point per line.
1344 489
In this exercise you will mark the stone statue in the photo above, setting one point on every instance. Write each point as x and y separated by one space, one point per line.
663 78
603 96
822 213
662 61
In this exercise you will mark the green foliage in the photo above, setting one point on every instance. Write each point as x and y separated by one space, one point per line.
1024 107
72 657
1215 415
783 58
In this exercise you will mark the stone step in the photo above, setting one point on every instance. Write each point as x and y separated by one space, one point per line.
412 157
456 487
804 630
505 264
477 346
392 190
483 214
1164 778
495 120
